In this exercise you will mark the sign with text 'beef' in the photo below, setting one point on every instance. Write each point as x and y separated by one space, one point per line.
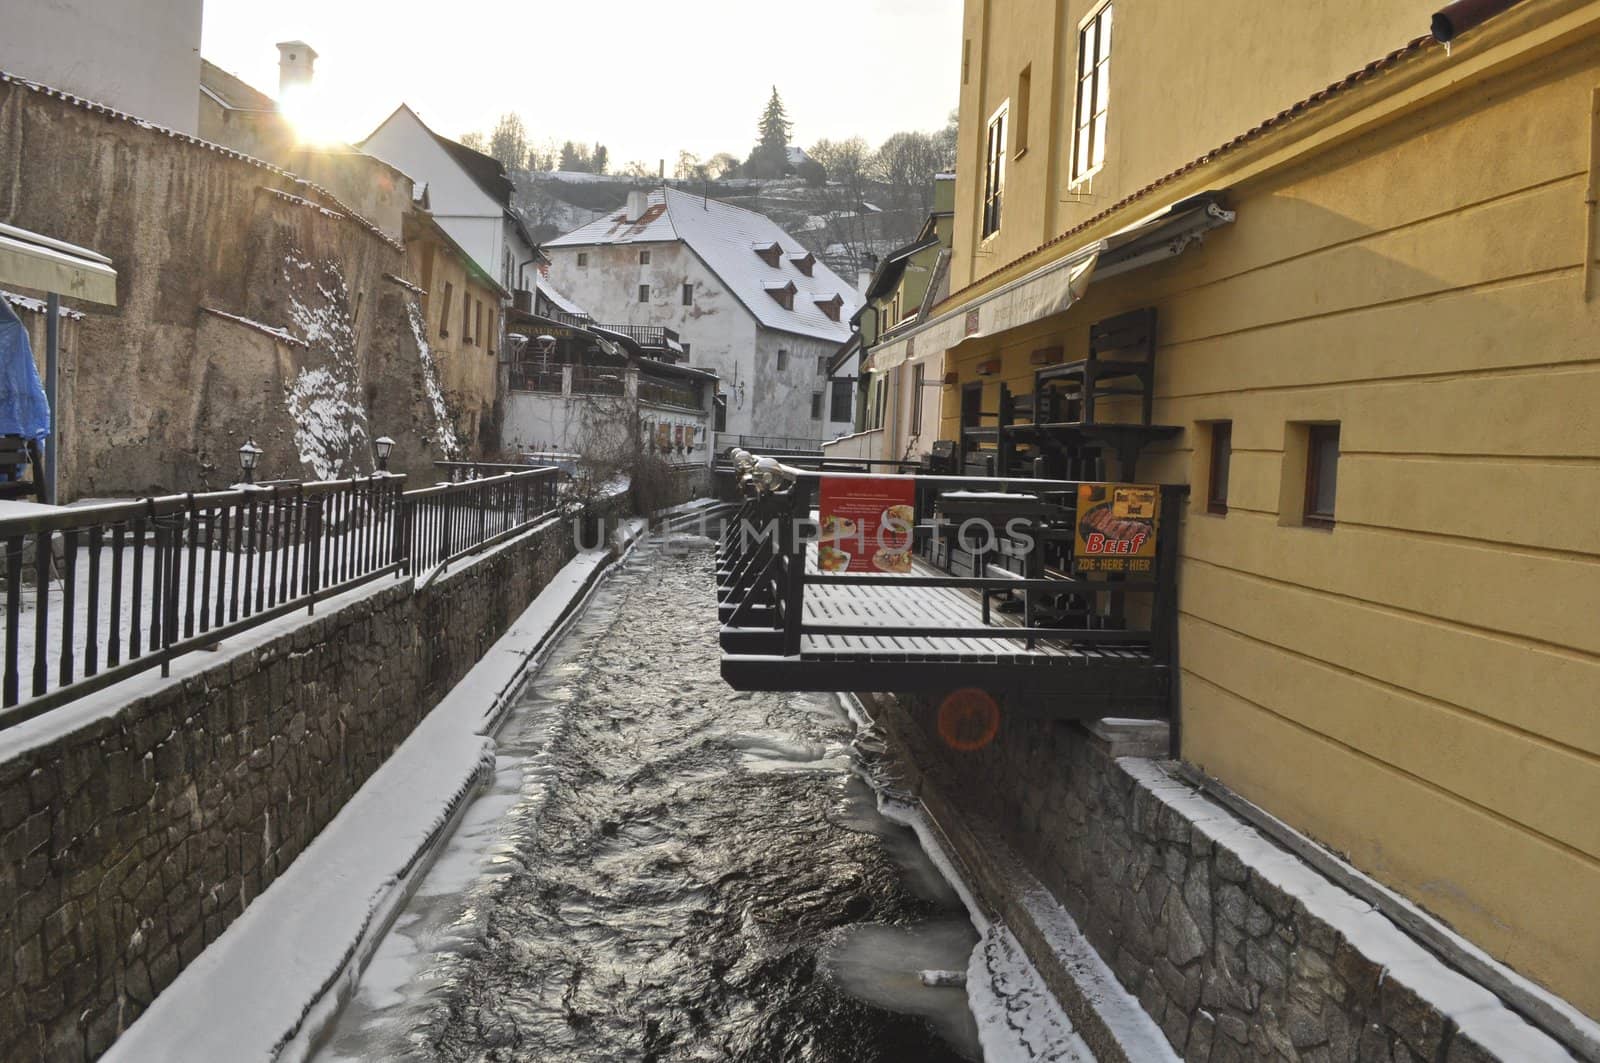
1117 527
866 523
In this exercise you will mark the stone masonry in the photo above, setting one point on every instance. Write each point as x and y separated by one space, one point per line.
130 843
1228 965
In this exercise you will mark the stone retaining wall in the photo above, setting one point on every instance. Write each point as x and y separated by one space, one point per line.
1229 965
129 844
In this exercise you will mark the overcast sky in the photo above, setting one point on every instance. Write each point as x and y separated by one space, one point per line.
645 78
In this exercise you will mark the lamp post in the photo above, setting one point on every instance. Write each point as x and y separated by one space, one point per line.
383 445
249 455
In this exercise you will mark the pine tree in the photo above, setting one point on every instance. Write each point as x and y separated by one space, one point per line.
599 158
771 155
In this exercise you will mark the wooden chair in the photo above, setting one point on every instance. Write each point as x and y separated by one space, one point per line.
1121 361
19 457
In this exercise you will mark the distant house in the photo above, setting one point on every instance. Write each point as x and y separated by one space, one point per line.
749 303
469 193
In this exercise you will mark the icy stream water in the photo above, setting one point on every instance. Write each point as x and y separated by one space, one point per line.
666 869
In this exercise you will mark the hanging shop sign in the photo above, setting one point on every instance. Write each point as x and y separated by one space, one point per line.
866 524
1117 527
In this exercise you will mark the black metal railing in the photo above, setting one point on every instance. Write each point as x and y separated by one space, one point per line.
647 335
450 521
564 318
95 594
526 377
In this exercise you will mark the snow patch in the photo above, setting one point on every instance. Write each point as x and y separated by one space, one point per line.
1018 1018
37 306
445 430
324 402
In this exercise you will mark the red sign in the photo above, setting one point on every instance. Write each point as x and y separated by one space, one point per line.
866 524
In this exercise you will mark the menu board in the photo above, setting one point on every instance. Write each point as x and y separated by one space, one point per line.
1116 529
866 524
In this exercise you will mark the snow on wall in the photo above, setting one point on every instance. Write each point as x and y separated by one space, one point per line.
446 439
324 402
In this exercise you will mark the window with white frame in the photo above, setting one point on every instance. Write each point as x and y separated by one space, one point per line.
1094 93
994 174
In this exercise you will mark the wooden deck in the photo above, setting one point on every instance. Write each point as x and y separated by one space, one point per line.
1078 678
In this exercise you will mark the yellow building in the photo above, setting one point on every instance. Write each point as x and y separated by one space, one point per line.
1379 346
461 310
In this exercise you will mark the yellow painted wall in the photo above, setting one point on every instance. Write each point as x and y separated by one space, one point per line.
1185 77
1419 687
468 372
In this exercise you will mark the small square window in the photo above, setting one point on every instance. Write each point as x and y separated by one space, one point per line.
822 365
1221 457
644 293
644 258
816 405
583 259
1322 473
783 358
688 294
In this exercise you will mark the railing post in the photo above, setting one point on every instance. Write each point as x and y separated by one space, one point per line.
799 509
313 552
402 532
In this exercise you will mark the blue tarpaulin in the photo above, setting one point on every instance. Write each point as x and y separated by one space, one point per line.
24 410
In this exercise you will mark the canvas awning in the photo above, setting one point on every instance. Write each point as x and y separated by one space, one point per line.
29 260
1052 288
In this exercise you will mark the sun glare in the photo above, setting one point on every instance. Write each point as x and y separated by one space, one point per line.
314 119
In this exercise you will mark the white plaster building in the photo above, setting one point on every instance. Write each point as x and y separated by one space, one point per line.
748 302
141 57
468 193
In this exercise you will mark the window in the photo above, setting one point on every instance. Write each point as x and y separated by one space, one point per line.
822 365
644 293
1221 456
688 294
477 322
466 318
841 400
783 358
644 258
1322 473
994 174
583 259
444 313
1094 89
1019 134
686 349
917 374
816 405
719 422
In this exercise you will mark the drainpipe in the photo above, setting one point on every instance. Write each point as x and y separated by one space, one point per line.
1452 20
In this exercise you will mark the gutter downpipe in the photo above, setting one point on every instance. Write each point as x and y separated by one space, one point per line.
1452 20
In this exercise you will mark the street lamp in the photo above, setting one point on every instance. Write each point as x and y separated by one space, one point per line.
383 445
249 455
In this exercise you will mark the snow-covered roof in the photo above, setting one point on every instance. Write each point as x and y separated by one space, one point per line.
558 300
726 237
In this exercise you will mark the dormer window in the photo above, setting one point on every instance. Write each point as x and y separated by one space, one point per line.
804 263
771 253
782 294
831 306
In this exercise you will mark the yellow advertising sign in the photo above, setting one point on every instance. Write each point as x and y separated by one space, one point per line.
1116 528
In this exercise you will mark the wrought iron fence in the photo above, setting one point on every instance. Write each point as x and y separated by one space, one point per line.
452 520
662 394
587 380
96 594
529 377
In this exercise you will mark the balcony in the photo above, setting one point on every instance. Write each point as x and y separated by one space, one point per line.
652 337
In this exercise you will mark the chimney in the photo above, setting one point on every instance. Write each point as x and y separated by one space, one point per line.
638 202
295 59
863 278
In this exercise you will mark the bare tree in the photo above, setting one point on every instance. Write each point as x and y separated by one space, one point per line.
509 143
843 198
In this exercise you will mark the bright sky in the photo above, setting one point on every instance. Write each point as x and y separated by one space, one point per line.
645 78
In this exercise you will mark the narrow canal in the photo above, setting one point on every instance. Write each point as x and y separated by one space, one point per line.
666 869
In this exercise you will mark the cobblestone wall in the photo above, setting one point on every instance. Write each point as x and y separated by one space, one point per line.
131 843
1228 965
